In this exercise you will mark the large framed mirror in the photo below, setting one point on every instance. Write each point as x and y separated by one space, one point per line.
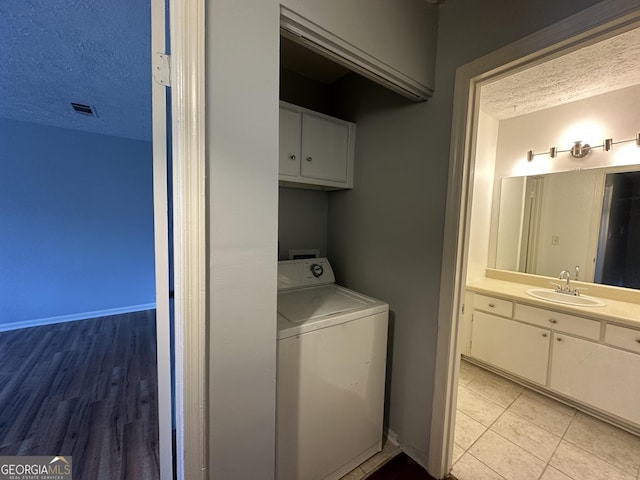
583 221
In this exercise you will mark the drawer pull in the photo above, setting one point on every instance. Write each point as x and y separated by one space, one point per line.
559 339
637 340
492 305
292 157
544 335
553 320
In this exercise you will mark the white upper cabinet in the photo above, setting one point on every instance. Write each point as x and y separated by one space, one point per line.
391 42
325 148
315 150
290 135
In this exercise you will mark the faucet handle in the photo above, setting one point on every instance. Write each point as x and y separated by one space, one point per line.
577 290
557 285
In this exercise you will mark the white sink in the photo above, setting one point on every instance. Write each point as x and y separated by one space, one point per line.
557 297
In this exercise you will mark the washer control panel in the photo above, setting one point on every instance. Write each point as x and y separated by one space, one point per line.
304 273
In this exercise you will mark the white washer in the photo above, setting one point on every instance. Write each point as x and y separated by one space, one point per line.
332 345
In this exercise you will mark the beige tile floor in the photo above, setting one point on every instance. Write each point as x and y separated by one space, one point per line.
507 432
389 450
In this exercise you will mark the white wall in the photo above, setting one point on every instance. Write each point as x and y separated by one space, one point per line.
485 160
590 120
385 236
242 159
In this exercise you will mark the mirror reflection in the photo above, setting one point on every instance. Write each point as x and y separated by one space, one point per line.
586 222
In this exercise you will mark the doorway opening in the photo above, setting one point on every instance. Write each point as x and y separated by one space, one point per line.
80 323
529 53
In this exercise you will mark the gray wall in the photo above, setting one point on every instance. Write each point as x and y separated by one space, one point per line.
242 213
385 236
305 92
302 220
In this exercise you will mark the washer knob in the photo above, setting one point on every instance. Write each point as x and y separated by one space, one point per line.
317 270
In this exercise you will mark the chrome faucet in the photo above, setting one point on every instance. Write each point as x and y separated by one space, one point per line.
565 275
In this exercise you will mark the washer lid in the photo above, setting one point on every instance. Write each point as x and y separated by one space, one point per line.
309 303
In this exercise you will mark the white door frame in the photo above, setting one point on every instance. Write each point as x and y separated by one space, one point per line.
161 246
187 27
603 20
187 69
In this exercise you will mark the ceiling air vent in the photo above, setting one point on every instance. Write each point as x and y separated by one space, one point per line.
83 109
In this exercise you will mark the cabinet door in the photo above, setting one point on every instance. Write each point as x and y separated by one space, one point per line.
290 138
325 148
515 347
598 375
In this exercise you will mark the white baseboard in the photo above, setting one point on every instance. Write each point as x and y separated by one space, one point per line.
75 316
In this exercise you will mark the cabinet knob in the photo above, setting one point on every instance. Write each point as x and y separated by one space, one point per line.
292 157
559 339
492 305
544 335
637 340
309 159
553 320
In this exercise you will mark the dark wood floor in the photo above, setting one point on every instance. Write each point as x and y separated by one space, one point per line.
87 389
402 467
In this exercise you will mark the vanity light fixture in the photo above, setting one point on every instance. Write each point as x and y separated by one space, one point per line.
608 143
580 150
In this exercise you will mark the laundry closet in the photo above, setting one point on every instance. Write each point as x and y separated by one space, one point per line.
332 362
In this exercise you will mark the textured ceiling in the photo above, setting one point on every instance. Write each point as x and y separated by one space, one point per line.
98 53
92 52
600 68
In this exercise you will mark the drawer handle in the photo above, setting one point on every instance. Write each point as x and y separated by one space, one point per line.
492 305
637 340
292 157
544 335
309 159
553 320
559 339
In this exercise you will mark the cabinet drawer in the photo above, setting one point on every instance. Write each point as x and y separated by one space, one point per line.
493 305
561 322
622 337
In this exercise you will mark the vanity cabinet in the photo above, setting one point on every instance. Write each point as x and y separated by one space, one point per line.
598 375
592 361
524 349
561 322
622 337
315 150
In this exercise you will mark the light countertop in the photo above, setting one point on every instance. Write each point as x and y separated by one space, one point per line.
621 312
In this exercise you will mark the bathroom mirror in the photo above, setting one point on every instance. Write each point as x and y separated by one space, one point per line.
586 221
